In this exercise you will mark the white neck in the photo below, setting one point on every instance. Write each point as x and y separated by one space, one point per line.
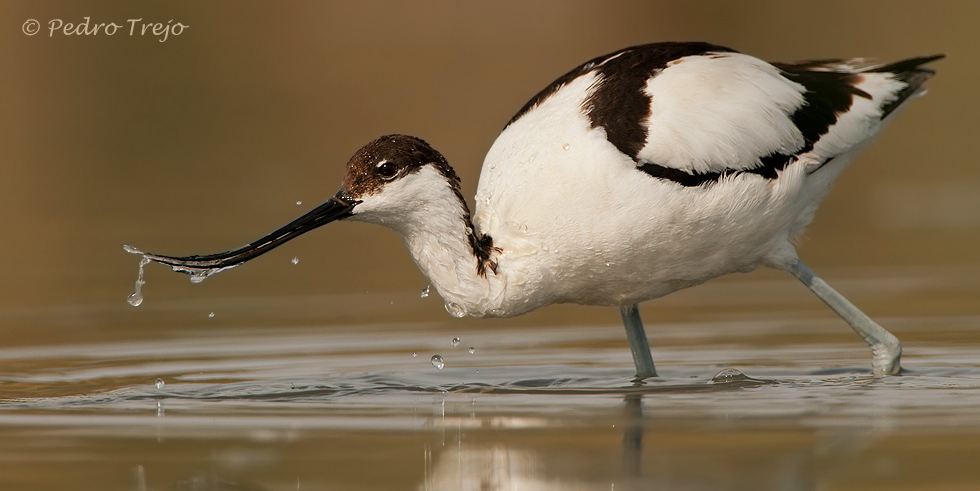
427 212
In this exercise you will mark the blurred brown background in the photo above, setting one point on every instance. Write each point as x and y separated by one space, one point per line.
206 141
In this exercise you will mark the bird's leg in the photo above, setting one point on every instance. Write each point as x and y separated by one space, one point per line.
638 341
885 347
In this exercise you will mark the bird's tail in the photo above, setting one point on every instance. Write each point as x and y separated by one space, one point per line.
909 71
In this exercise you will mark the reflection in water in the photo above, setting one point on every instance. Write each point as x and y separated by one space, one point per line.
491 468
466 460
633 437
462 465
140 478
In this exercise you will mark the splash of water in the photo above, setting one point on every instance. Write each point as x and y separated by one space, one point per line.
136 298
198 274
437 362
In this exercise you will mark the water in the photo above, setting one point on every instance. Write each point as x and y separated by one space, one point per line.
425 292
728 375
760 388
197 274
455 310
295 260
136 298
455 342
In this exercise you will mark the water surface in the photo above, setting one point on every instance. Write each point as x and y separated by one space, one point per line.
243 405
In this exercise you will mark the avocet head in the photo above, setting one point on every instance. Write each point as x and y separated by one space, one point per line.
391 181
395 179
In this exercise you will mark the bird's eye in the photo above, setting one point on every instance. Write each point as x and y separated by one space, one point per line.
386 170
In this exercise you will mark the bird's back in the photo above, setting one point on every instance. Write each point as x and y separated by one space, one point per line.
661 166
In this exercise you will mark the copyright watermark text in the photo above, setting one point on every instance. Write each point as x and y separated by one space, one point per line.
131 27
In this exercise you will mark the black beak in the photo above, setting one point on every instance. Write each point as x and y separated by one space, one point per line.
203 266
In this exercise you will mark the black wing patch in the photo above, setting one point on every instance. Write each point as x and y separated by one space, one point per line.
618 102
770 164
828 94
629 69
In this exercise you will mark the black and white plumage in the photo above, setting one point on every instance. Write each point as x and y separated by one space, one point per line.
636 174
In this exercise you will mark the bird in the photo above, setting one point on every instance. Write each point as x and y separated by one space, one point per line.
636 174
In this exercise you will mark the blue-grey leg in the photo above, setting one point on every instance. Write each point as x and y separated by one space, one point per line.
637 337
885 347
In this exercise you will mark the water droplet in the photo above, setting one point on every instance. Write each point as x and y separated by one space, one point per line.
471 350
425 291
298 203
437 362
136 298
198 277
159 409
454 343
211 315
159 383
565 146
523 229
414 354
295 260
455 310
728 375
